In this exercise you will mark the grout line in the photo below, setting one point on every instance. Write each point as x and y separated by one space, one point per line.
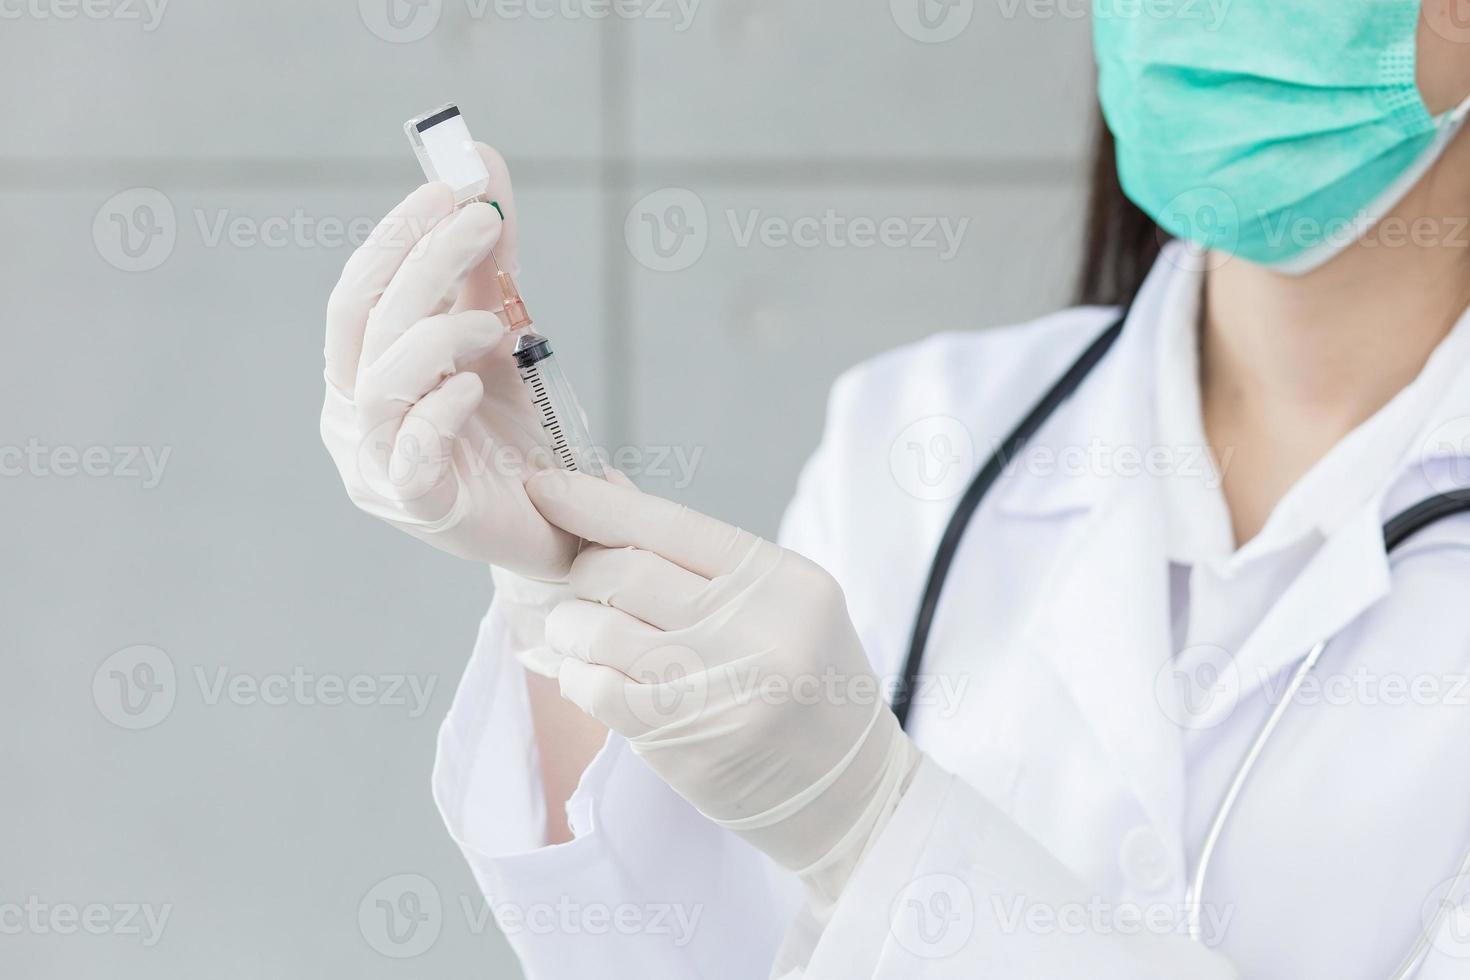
616 172
56 173
963 172
617 332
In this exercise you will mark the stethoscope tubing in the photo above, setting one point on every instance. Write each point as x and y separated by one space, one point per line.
975 493
1396 531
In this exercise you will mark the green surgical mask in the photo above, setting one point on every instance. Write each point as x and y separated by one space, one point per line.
1276 130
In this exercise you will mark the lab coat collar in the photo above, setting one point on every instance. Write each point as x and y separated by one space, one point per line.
1194 503
1101 440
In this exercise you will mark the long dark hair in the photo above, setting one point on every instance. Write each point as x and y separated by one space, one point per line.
1121 241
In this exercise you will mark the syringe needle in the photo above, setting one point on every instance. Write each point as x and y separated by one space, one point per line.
512 306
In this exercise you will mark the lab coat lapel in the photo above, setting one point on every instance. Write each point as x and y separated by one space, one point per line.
1104 627
1347 575
1102 618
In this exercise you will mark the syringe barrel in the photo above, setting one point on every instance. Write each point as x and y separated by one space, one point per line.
564 432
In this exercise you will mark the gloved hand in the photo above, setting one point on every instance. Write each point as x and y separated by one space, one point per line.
425 417
733 670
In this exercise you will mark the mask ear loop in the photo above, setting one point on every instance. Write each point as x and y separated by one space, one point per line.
1456 115
1447 125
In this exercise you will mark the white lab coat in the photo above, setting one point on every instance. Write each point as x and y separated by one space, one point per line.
1049 832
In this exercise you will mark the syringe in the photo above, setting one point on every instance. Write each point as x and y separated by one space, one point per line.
551 393
442 143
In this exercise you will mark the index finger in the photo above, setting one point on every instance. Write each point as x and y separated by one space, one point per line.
625 517
368 272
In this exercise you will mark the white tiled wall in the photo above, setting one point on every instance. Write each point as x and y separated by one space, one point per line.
265 827
828 78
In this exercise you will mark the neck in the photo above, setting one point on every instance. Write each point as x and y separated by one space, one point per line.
1291 365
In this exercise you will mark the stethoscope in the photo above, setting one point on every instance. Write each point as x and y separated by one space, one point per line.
1398 530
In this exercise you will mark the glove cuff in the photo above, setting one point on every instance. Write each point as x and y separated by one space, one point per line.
826 877
526 591
823 832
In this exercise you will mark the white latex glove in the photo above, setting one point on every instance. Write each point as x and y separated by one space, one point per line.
733 670
425 416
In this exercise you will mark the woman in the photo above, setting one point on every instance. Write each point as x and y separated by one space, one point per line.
1121 615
